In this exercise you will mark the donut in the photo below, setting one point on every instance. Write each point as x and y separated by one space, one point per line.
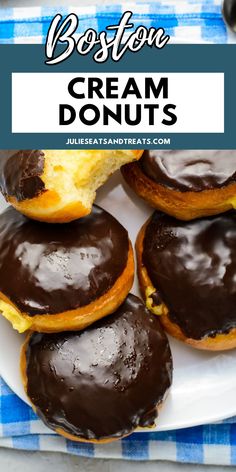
57 186
63 276
229 13
101 383
185 184
187 275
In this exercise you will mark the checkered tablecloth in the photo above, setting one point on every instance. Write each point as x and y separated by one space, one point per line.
189 20
210 444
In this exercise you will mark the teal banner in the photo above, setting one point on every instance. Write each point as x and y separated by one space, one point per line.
178 97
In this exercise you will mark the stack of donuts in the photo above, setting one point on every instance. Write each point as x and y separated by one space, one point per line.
186 251
96 362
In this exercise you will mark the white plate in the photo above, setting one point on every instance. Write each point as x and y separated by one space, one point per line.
204 384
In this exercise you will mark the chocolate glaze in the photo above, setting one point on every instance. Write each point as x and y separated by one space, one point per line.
229 13
193 267
190 170
55 268
20 173
104 381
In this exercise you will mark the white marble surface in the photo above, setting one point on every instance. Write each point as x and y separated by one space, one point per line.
16 461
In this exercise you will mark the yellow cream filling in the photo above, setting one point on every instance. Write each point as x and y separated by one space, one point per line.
156 309
232 201
77 174
15 317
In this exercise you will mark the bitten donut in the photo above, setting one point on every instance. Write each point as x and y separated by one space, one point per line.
185 184
102 383
187 274
62 277
57 186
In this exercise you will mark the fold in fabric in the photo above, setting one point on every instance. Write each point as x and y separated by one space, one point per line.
185 21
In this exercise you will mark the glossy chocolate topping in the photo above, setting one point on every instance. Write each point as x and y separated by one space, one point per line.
104 381
55 268
190 170
20 173
193 267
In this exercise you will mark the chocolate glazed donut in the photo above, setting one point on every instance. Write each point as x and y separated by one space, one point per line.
57 186
56 277
187 273
185 184
190 170
101 383
20 174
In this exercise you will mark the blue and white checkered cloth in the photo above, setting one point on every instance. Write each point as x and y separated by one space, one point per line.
211 444
191 21
188 20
